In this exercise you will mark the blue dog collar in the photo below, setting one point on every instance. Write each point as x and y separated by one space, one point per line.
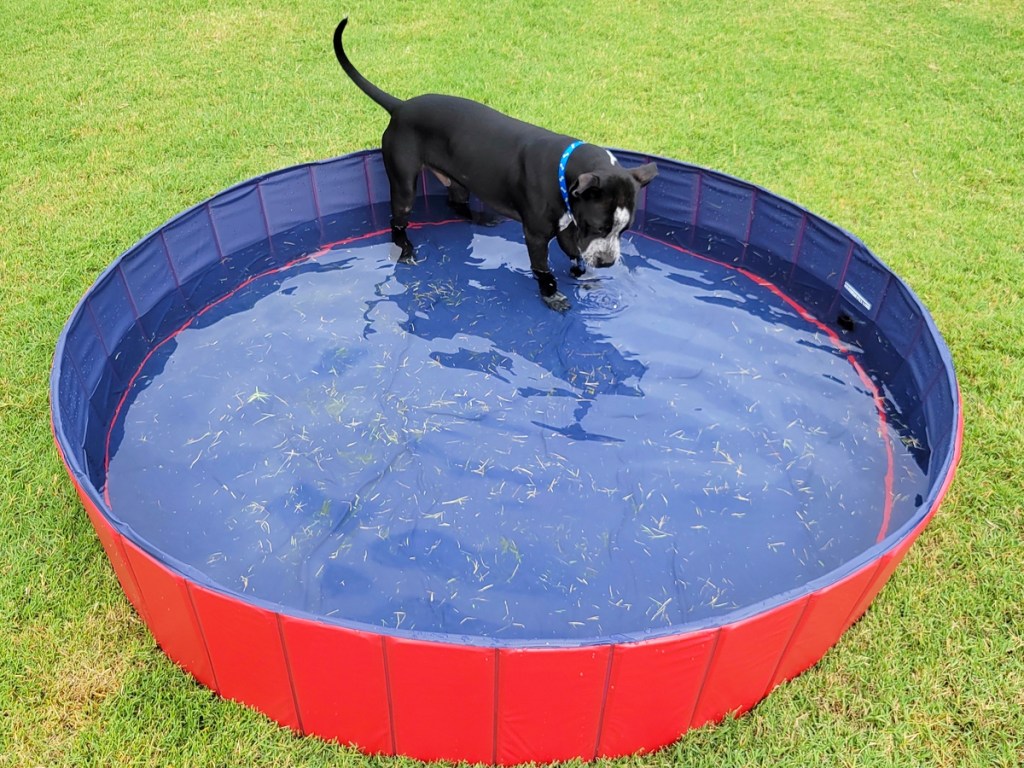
561 176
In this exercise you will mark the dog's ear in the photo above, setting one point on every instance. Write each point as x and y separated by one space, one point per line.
644 173
584 182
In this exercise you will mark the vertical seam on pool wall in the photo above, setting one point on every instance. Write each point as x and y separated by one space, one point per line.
316 201
266 219
497 704
876 311
927 390
712 657
369 191
904 360
604 701
423 191
128 293
876 565
387 691
750 226
288 670
174 271
87 406
143 606
80 378
797 245
216 234
918 334
842 279
697 195
797 626
198 624
170 261
99 334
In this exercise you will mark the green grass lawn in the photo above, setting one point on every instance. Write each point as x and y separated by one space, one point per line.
900 121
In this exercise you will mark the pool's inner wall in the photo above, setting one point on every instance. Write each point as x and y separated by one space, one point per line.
203 253
451 697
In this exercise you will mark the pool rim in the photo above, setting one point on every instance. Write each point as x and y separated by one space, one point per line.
895 539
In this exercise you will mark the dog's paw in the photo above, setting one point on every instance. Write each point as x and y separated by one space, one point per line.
577 271
403 255
461 210
486 219
557 302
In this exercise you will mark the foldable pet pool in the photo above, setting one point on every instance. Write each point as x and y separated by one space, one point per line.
413 509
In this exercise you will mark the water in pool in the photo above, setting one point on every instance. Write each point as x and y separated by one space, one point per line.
430 448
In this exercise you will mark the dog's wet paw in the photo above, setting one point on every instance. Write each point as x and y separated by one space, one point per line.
557 302
577 271
486 219
403 255
461 210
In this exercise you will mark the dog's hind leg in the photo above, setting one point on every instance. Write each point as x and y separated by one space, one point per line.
458 198
403 170
458 201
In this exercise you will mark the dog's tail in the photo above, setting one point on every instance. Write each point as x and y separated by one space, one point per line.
386 100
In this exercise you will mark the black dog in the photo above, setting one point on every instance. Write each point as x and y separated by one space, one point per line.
555 186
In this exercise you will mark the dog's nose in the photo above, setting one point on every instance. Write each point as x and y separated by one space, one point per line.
604 261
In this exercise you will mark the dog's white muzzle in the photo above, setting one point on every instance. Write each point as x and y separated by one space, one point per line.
605 251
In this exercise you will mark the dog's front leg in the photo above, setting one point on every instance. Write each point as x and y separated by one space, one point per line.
568 244
537 246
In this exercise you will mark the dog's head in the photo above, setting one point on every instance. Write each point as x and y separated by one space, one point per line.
603 203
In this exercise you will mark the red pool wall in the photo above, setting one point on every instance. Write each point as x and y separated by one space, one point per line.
395 695
433 700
